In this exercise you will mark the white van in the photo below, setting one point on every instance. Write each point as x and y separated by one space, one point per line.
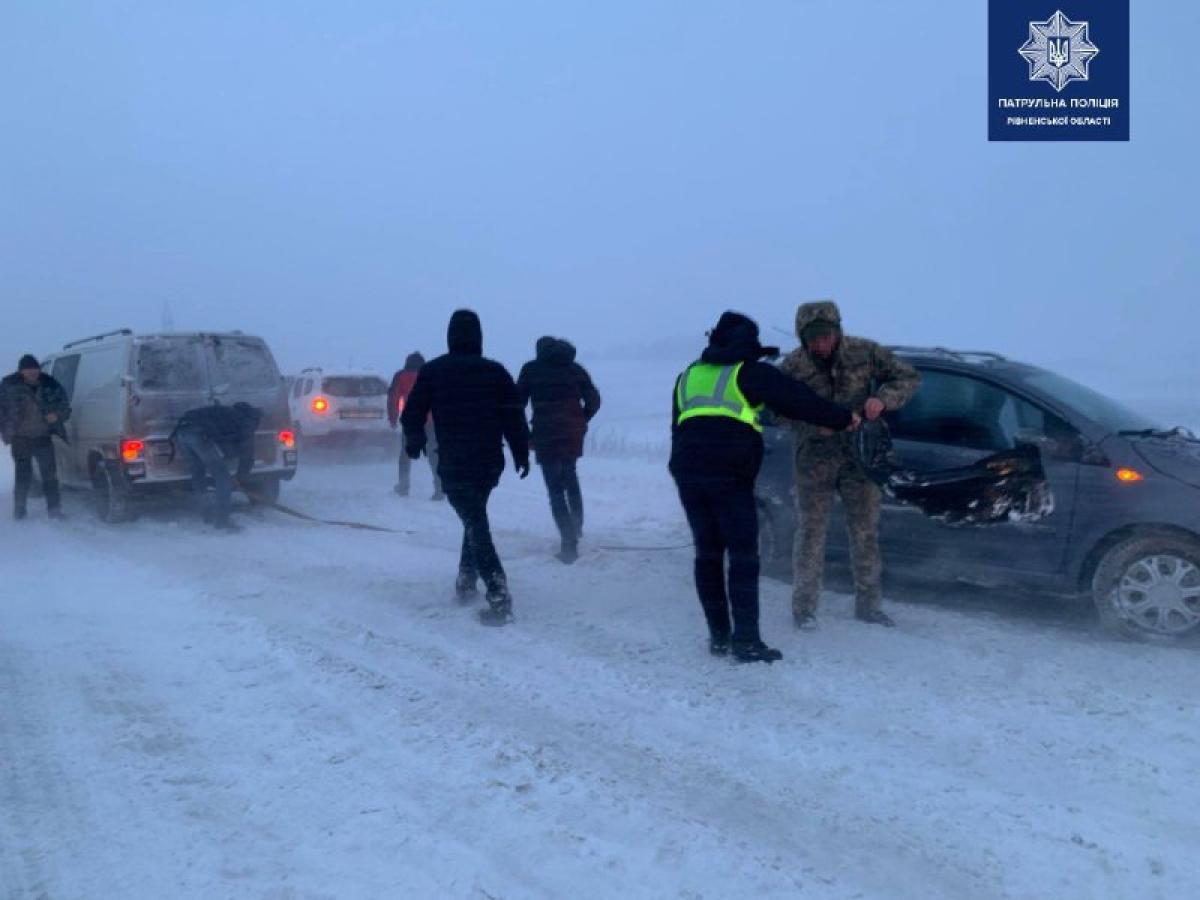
127 394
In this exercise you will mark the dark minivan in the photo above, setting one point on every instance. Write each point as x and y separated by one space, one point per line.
1125 527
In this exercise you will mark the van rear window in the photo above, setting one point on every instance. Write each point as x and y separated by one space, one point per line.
242 364
171 364
353 386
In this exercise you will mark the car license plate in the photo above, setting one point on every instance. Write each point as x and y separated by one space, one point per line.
361 414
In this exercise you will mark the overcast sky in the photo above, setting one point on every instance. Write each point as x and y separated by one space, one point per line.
339 176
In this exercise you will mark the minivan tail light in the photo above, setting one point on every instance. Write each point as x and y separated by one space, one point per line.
288 439
1129 476
320 405
131 451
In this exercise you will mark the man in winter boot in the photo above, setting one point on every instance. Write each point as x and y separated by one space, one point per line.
33 408
564 401
863 376
401 387
716 452
475 410
210 436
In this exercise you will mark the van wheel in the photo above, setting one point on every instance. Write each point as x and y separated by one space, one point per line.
1150 587
110 494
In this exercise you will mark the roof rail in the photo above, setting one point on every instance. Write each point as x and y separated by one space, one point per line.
960 355
98 337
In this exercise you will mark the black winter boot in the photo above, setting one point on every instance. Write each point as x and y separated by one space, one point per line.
718 645
466 587
874 617
754 651
499 608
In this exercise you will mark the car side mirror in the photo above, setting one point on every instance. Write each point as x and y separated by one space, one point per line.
1031 437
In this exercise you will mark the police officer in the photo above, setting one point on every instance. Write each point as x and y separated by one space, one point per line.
716 452
861 375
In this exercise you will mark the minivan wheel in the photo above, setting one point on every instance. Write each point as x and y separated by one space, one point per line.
1150 586
109 493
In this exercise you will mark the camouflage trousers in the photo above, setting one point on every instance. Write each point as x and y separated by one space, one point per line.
818 478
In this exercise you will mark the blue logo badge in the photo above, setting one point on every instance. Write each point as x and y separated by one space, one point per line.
1048 79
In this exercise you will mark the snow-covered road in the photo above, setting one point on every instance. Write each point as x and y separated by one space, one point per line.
304 712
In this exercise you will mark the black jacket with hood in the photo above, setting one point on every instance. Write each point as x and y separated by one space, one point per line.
715 448
475 409
563 397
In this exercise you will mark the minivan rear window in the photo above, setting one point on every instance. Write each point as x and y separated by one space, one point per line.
353 386
171 364
242 364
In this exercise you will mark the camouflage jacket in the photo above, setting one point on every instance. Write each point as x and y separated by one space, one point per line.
860 369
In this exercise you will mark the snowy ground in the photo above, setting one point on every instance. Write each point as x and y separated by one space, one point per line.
304 712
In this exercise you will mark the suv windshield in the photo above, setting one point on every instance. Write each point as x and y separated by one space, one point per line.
171 364
353 386
1106 413
242 364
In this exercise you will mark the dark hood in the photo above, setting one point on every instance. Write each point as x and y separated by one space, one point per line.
413 362
465 334
735 340
555 351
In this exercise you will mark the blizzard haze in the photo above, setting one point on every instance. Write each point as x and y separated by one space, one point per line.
339 177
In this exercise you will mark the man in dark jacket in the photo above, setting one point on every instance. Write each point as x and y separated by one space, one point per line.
564 401
716 452
475 409
210 436
402 385
33 408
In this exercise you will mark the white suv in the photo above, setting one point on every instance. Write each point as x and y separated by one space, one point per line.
340 404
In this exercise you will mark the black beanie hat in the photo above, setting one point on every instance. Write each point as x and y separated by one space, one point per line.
28 361
734 329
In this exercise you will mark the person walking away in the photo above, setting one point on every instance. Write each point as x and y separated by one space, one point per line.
33 409
864 376
210 437
564 401
716 452
401 387
475 411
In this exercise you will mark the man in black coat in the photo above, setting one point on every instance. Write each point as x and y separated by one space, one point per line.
564 401
716 452
33 408
475 410
210 436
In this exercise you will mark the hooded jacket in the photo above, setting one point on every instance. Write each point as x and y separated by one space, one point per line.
19 400
563 397
402 385
475 410
858 370
722 449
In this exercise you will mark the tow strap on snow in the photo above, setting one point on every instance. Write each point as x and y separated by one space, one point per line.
688 546
296 514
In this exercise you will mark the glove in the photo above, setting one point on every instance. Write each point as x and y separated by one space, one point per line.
523 468
413 449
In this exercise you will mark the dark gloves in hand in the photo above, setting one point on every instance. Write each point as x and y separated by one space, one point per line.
414 448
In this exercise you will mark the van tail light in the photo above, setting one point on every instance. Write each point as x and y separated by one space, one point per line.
288 439
320 405
1129 476
131 451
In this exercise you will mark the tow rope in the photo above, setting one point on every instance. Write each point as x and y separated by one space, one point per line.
296 514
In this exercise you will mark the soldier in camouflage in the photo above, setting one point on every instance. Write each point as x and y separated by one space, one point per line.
863 376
